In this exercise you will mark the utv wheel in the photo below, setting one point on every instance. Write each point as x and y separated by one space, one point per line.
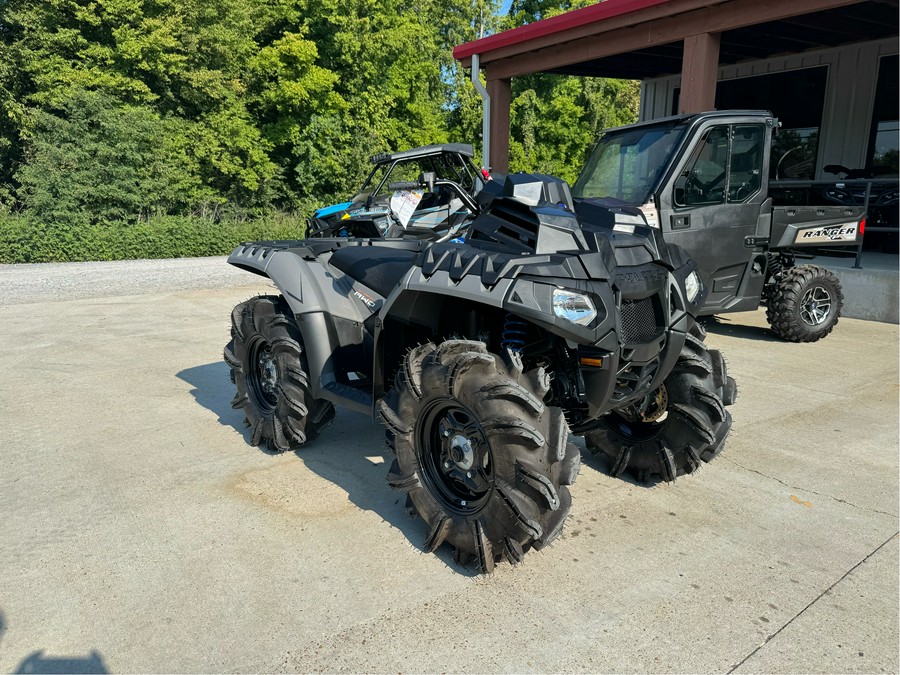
484 461
806 304
684 425
269 370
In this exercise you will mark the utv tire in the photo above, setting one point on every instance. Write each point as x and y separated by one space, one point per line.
692 429
806 304
269 370
483 460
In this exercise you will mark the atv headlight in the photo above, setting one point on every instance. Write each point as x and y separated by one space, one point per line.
693 285
574 307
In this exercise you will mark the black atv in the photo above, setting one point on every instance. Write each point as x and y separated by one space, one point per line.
481 357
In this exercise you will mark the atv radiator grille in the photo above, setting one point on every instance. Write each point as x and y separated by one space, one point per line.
639 320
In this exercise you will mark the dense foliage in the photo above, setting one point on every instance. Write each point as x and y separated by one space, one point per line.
118 114
25 240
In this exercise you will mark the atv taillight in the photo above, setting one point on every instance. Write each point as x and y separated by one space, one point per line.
862 227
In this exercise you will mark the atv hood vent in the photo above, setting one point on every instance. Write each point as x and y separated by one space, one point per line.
509 223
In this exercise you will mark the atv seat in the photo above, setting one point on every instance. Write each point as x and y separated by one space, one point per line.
376 267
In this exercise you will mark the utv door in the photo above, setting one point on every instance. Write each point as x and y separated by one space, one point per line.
714 198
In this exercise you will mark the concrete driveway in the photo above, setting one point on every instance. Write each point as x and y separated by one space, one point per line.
140 532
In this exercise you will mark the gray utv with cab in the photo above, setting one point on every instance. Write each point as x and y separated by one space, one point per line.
702 180
480 358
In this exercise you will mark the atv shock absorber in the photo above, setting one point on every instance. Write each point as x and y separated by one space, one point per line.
514 331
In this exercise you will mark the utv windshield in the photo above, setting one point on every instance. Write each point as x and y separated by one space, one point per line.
626 164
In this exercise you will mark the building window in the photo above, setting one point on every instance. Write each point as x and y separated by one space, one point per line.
884 134
797 99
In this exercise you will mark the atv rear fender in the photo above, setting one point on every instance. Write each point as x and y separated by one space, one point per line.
302 283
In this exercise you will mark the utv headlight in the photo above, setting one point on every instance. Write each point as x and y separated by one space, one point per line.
574 307
693 285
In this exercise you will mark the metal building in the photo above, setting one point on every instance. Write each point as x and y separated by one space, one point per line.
827 68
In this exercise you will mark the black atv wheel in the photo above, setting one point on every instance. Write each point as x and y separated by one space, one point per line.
269 369
484 461
684 424
806 304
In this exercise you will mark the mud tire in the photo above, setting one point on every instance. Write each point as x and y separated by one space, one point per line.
693 430
522 460
277 403
794 308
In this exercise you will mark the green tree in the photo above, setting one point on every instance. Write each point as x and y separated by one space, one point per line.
101 161
528 11
187 61
388 54
217 107
296 106
467 20
556 119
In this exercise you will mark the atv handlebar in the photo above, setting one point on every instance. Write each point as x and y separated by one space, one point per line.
405 185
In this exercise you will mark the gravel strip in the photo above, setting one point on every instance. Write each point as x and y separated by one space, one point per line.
49 282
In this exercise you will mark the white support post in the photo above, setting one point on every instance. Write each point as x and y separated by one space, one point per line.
486 113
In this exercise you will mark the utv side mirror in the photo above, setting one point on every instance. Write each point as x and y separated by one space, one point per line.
428 179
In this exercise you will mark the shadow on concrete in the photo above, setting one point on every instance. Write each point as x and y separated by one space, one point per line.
337 456
340 455
38 663
718 325
213 390
603 464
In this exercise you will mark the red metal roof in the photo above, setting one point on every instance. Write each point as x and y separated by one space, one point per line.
556 24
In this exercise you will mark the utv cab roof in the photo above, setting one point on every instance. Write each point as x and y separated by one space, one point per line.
464 149
710 114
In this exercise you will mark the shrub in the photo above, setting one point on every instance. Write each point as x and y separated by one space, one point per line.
24 240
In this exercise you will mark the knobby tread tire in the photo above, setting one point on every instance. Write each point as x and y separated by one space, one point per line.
697 421
296 417
784 304
533 463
